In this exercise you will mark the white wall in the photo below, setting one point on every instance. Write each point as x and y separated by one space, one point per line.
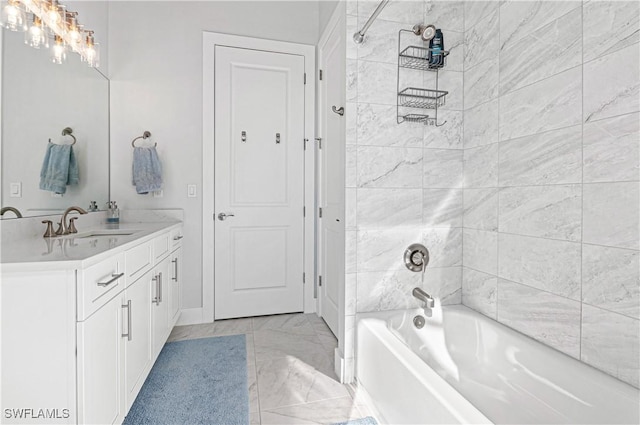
156 84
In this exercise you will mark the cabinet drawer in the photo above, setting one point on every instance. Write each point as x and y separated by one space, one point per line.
161 247
138 260
98 284
176 238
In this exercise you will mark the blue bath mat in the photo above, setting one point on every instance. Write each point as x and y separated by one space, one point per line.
362 421
200 381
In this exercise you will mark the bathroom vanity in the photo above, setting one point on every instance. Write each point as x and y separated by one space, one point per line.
84 318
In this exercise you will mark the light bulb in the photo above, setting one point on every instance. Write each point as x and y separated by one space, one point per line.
58 51
36 35
13 17
91 53
53 13
74 35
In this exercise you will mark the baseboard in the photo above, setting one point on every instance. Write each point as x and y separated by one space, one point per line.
191 316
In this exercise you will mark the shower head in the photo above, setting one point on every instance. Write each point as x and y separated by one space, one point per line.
426 32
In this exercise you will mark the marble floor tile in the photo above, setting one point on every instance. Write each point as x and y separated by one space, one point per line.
289 381
254 418
294 322
207 330
323 412
252 380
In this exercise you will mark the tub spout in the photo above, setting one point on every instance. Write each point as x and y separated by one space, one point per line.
424 297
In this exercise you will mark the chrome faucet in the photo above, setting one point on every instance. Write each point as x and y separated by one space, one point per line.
63 227
13 210
424 297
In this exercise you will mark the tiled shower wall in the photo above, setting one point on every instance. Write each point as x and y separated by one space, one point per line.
552 175
403 181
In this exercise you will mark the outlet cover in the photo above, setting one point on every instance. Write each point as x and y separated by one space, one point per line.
192 191
15 190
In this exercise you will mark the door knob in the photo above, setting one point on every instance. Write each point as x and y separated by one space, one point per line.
339 111
223 216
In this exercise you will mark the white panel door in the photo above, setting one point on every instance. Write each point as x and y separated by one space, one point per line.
259 182
332 177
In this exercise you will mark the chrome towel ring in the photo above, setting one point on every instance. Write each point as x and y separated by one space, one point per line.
68 131
144 136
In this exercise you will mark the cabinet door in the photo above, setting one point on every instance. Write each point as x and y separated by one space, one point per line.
100 364
160 306
137 342
175 299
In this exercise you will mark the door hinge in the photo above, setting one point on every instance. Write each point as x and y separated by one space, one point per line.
304 277
305 143
319 280
320 75
305 78
319 140
320 212
304 211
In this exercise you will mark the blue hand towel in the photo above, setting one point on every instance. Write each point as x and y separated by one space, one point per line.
59 168
147 170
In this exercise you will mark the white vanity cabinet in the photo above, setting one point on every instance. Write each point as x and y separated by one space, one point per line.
82 340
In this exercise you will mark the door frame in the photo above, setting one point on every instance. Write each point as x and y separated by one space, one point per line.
308 52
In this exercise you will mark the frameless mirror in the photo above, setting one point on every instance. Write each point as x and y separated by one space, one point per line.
39 100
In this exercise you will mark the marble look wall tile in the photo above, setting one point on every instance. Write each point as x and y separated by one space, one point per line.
481 166
611 214
481 125
611 279
352 7
552 320
610 26
377 126
612 84
349 336
382 249
454 43
481 83
552 157
549 50
480 251
444 245
611 342
546 105
480 292
447 15
482 41
351 28
450 81
444 284
381 291
549 265
519 19
474 11
350 205
611 149
442 168
403 11
351 123
389 167
350 293
384 208
350 248
352 80
441 207
481 209
545 211
381 43
376 82
351 160
448 136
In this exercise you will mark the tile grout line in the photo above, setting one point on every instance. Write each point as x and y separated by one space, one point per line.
498 179
582 184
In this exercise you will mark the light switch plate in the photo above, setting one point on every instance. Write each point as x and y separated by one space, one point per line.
192 191
15 190
158 193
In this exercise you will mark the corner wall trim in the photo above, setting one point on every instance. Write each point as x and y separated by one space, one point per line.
191 316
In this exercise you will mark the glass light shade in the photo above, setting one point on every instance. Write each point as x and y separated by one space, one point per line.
73 31
58 51
13 17
92 55
36 35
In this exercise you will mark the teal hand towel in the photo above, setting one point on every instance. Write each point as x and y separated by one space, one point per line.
147 170
59 168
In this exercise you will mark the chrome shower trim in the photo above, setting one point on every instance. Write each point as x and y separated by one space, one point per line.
358 37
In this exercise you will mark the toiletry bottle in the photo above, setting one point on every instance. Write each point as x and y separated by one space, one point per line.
113 214
436 50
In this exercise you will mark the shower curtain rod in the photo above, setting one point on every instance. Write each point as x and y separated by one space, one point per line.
358 37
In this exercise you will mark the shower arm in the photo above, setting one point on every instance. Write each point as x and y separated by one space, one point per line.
358 37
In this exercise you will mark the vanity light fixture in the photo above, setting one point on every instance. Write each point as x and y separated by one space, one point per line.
51 17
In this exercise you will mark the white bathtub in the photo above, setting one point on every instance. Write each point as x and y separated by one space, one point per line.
462 367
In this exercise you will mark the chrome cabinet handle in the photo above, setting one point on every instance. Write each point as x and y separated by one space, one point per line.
114 277
339 111
177 238
156 299
223 216
129 333
175 270
160 288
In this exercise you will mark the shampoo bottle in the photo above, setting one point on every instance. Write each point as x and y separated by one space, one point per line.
436 50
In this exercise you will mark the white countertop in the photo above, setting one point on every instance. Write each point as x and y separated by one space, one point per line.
74 251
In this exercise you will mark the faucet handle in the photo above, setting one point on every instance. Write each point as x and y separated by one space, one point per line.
49 233
72 227
60 230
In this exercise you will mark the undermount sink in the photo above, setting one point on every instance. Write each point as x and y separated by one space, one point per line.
104 232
